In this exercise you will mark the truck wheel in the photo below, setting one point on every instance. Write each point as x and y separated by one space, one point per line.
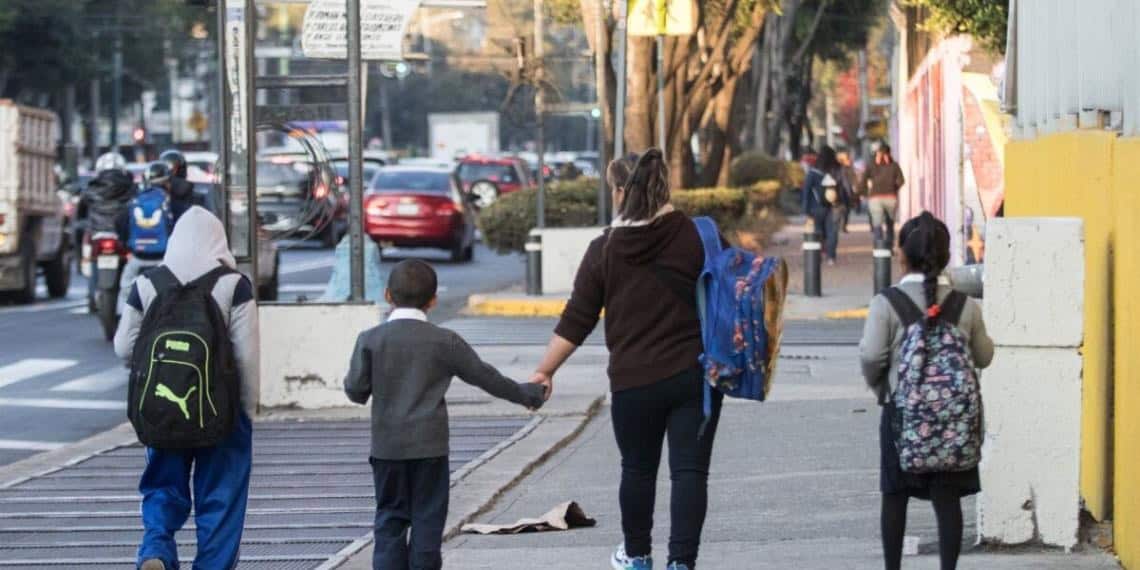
57 273
27 293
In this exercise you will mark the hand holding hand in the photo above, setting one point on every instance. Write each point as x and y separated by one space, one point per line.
546 381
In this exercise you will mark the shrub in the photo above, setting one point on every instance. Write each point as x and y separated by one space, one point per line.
508 221
754 167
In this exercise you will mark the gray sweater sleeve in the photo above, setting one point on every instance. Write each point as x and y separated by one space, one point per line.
468 367
875 346
358 384
246 335
981 345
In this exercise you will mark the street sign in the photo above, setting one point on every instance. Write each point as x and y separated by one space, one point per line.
383 25
662 17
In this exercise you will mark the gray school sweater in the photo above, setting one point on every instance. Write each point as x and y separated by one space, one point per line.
406 366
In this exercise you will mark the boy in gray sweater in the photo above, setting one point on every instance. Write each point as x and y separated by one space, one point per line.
406 365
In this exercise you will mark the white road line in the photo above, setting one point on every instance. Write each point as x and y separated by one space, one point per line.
60 404
21 445
42 306
30 368
108 379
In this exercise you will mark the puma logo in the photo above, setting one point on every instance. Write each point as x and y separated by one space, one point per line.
164 392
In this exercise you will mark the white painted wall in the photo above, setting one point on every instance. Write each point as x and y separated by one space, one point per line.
1034 311
562 253
305 351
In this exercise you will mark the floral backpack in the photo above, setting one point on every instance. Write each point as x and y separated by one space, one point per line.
938 401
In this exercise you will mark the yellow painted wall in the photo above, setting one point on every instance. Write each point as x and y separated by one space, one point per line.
1094 175
1126 263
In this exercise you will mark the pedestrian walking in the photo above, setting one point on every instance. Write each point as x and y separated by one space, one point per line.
824 200
850 181
405 367
195 295
634 272
881 185
921 345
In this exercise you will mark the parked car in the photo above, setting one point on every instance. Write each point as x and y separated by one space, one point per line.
485 178
413 206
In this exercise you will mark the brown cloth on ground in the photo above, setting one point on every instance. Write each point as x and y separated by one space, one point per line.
566 516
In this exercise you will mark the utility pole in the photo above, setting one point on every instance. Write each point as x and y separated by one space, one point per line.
540 106
355 164
619 105
116 78
864 102
95 104
661 93
603 106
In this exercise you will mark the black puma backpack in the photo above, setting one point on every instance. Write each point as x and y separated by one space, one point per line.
184 386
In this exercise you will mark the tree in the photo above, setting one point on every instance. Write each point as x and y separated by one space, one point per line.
986 20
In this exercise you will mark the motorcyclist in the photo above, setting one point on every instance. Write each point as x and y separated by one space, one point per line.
104 201
180 187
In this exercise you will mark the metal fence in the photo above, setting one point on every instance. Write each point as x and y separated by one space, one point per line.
1073 65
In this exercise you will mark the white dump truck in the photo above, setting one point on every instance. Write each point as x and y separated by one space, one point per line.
33 232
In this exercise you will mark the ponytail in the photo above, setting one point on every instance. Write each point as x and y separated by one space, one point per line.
647 189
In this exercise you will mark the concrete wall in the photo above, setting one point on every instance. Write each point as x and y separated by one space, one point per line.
1093 175
1032 393
305 349
562 252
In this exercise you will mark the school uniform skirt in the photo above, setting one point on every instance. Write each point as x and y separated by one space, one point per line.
894 481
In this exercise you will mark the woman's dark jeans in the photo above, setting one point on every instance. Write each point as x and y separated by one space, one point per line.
641 418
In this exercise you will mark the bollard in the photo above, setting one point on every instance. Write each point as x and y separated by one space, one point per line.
534 264
882 265
813 255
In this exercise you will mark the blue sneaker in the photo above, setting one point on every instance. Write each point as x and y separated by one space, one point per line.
677 566
620 561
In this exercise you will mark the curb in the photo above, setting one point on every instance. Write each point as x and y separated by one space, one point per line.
520 306
847 314
66 456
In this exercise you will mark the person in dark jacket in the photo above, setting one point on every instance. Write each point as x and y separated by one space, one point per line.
825 201
634 272
104 203
182 190
881 185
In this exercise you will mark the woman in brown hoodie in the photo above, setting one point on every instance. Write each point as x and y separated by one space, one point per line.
634 272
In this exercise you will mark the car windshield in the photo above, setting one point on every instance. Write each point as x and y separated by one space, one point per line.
505 173
370 170
412 181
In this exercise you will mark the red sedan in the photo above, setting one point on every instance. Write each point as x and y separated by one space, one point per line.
414 206
485 179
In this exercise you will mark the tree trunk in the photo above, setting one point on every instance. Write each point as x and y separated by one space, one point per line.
639 95
607 91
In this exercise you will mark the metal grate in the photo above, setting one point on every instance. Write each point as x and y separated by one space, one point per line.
310 497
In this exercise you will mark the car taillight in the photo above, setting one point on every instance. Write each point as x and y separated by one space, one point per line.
446 209
376 207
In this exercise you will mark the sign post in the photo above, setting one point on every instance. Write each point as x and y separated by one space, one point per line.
660 18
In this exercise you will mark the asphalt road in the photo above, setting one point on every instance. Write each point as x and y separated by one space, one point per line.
60 381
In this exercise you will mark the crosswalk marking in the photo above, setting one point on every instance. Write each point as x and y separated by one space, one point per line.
23 445
103 381
62 404
30 368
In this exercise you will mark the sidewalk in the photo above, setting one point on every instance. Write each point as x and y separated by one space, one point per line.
794 485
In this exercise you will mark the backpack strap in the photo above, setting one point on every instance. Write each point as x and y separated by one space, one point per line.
162 279
710 236
904 307
210 278
952 307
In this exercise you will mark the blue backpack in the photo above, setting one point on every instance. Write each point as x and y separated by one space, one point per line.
151 222
740 298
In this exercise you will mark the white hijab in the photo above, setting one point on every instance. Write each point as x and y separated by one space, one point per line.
197 245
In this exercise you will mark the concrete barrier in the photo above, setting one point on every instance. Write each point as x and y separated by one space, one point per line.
305 351
562 253
1035 313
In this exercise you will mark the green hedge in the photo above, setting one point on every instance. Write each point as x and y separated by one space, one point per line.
753 167
507 222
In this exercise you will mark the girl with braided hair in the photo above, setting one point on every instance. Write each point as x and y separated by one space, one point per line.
925 245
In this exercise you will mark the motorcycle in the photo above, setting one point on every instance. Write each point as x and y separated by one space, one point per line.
110 257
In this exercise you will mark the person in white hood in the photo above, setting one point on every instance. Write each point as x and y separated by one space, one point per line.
221 473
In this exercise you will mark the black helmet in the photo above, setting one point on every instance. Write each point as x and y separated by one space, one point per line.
157 173
176 161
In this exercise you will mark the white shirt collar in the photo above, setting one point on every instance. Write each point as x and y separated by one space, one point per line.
404 314
919 278
620 222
